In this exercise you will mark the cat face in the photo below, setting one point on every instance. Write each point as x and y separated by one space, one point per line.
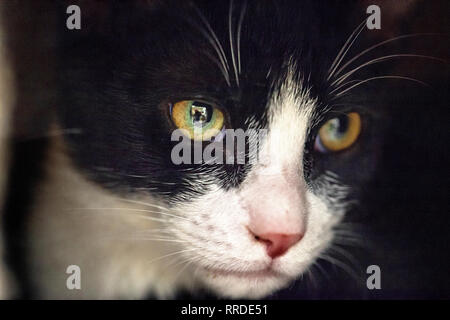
253 238
245 229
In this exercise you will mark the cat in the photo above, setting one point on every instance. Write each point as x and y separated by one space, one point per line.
110 200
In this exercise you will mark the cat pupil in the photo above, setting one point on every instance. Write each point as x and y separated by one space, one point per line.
339 125
200 114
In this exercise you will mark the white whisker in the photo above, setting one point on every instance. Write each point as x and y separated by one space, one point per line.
53 133
156 230
321 270
381 59
341 265
383 43
214 41
381 77
344 85
345 254
157 239
311 278
188 263
145 217
144 204
230 32
340 56
219 64
171 254
166 213
241 18
137 210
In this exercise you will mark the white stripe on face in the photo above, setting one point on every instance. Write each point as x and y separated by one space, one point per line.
274 193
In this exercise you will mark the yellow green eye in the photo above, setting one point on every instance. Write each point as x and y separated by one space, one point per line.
339 133
201 121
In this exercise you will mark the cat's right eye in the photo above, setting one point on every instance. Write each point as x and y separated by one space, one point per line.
201 121
339 133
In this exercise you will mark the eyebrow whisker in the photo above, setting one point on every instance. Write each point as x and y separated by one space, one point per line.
345 48
380 77
384 58
383 43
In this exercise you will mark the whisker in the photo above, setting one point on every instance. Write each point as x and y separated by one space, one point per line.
321 270
151 231
145 217
341 265
53 133
345 254
219 64
352 225
346 232
157 239
381 59
340 56
182 261
344 85
381 77
230 32
268 72
214 41
350 242
151 205
137 210
196 271
147 177
383 43
171 254
241 19
188 263
312 280
176 261
125 236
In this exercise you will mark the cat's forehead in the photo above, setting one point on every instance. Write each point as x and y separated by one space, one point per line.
246 57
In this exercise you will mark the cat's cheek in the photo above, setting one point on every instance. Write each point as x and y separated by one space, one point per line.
318 238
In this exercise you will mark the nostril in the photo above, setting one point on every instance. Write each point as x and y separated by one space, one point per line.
266 241
276 243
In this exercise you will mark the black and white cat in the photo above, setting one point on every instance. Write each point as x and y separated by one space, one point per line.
110 199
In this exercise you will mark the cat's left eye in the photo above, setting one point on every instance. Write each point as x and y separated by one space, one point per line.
339 133
200 121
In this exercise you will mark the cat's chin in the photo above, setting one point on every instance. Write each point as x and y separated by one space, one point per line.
247 285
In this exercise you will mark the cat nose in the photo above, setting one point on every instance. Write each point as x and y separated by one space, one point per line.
277 243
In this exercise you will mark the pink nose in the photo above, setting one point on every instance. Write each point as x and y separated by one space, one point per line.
276 243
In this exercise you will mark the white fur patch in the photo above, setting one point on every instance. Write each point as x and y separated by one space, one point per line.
112 240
